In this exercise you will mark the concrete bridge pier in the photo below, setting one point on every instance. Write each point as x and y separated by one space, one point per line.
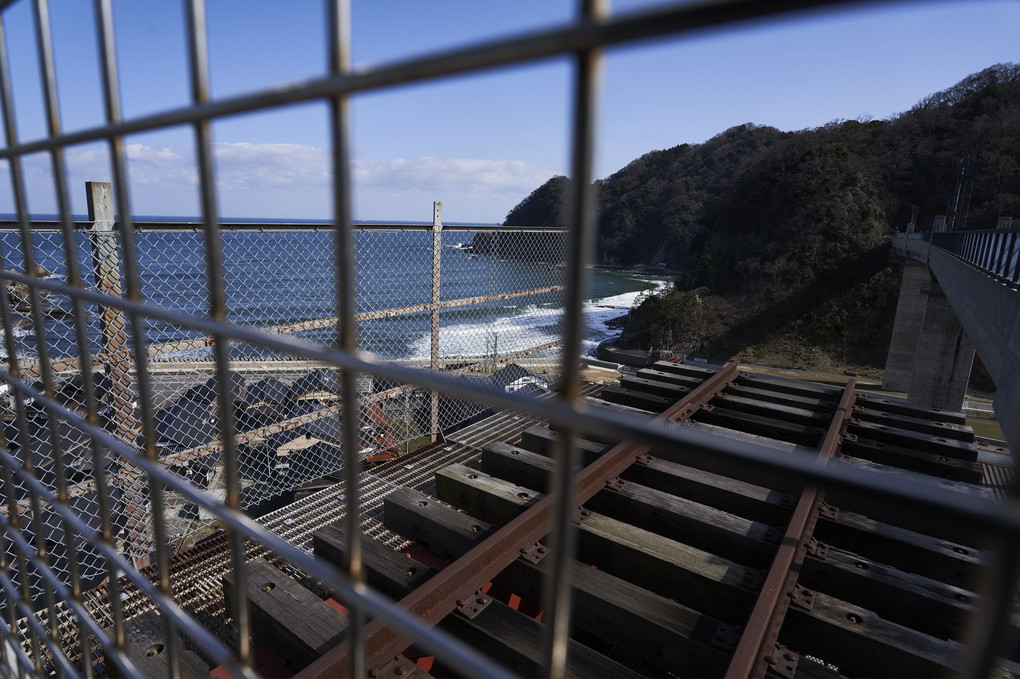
944 357
899 363
930 354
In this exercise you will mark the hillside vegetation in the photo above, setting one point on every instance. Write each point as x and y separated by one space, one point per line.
779 240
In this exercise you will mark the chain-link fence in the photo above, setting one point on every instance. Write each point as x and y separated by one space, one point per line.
481 303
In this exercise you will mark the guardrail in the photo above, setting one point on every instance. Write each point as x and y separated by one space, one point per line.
994 250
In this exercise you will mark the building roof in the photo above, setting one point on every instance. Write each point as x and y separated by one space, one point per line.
186 423
513 372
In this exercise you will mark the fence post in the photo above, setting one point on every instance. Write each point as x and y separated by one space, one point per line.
437 243
117 360
111 321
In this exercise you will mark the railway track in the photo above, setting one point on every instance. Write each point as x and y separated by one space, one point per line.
680 571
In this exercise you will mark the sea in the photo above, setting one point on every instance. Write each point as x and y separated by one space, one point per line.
279 277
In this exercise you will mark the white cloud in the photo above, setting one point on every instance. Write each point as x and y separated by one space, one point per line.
439 175
294 180
261 167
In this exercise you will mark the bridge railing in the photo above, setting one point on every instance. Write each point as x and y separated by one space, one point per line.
996 251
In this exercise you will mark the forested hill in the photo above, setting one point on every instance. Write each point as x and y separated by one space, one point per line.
790 226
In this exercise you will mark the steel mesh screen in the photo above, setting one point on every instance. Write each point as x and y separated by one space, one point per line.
164 380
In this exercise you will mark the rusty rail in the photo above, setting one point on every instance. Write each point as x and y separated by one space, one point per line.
754 650
438 597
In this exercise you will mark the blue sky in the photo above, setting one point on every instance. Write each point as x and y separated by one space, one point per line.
479 143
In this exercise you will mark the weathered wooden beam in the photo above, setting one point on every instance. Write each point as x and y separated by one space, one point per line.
816 403
961 532
861 643
636 399
909 599
703 581
655 387
949 430
515 640
540 439
673 378
287 620
931 443
382 563
683 369
907 550
511 638
706 528
728 494
789 386
930 463
737 497
769 427
785 413
899 407
147 648
661 632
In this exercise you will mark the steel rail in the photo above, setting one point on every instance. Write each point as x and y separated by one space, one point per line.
762 627
578 37
705 450
438 596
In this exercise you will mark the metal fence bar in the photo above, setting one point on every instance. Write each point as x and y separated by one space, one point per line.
584 38
44 40
198 57
18 189
557 591
340 65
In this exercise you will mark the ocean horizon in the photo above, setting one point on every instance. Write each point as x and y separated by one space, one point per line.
280 278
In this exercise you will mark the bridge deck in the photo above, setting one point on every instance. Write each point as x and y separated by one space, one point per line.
675 564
